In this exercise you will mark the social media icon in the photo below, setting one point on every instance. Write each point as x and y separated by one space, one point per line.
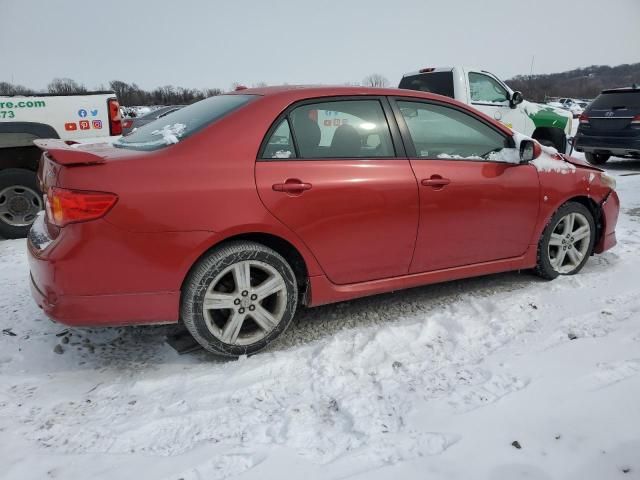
84 125
82 113
97 124
70 126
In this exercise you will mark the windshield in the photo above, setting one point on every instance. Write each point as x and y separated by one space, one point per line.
178 125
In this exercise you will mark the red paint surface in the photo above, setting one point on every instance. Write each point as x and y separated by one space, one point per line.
362 226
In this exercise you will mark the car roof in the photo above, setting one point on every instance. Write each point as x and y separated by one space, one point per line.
315 91
622 90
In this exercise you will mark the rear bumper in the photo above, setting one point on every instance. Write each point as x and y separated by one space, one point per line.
95 274
107 310
610 211
617 146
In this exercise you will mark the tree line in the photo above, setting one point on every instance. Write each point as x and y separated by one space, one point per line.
579 83
131 94
585 82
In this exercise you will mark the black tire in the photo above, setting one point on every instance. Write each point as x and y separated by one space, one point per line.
21 178
209 269
596 158
543 267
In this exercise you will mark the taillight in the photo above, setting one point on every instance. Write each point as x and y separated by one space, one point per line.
426 70
71 206
127 123
584 119
115 121
635 120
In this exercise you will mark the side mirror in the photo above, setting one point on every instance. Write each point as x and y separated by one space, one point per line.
516 99
529 150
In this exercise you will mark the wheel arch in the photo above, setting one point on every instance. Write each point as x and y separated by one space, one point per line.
553 134
594 208
278 243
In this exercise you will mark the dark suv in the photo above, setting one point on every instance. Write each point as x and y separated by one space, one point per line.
611 126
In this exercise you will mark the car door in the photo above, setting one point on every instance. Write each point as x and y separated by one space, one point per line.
489 96
477 202
334 172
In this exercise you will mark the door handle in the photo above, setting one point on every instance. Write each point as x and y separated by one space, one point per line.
292 185
436 181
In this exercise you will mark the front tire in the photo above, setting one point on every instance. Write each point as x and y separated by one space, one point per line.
239 298
596 158
20 201
567 241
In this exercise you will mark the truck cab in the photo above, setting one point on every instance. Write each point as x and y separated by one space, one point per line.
78 118
489 94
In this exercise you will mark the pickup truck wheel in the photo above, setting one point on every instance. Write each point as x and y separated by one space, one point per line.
20 202
596 158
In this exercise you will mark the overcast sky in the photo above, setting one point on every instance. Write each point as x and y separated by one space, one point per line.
204 43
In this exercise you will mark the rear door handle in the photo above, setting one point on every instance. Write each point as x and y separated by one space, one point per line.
292 185
435 181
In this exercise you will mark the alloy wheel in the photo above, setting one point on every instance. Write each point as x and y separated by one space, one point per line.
245 302
569 242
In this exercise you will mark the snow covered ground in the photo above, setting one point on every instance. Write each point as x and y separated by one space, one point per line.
435 382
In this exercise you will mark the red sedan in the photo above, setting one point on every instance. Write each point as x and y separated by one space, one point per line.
229 214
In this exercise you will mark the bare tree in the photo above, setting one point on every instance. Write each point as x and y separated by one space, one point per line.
7 88
65 86
375 80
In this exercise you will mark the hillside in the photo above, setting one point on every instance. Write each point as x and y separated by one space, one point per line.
580 83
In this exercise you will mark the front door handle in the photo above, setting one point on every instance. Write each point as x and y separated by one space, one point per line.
292 186
436 181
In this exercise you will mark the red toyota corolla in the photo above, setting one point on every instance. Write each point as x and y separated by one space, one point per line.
229 214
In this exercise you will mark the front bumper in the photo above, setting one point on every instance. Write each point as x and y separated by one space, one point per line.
610 211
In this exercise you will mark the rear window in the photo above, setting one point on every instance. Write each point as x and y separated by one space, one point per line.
606 101
178 125
440 83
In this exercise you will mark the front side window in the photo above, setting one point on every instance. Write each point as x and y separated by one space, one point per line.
342 129
180 124
485 89
447 133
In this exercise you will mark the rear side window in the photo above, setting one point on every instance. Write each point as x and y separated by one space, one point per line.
280 143
607 101
342 129
178 125
440 83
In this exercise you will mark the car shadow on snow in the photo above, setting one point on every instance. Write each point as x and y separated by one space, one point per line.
133 348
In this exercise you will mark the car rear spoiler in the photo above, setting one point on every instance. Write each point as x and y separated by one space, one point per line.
63 153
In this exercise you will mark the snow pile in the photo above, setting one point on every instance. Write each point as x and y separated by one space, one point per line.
171 133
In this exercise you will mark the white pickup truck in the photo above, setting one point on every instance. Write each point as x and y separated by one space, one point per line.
78 117
486 92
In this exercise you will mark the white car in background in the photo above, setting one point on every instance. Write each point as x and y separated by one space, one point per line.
576 107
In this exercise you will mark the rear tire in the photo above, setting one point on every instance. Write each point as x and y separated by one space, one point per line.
566 242
596 158
20 201
239 298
